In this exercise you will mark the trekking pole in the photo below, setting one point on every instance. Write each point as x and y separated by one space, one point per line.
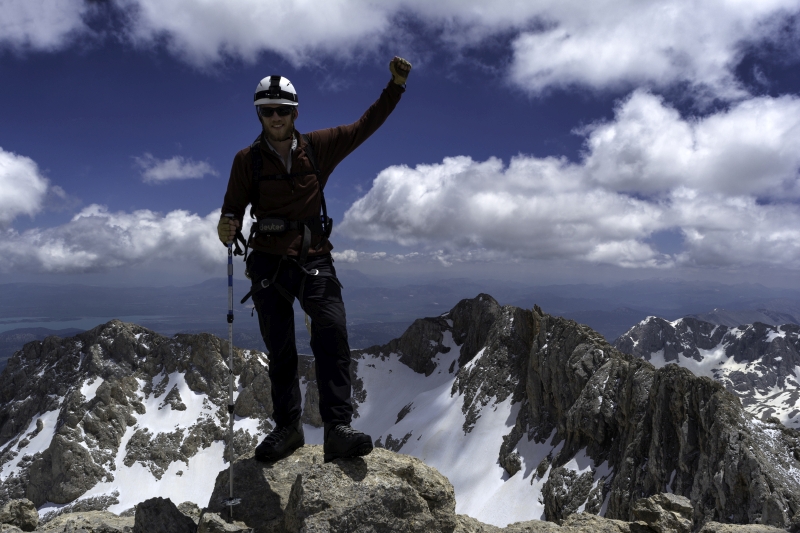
230 501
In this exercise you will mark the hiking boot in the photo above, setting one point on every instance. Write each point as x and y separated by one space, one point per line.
341 441
281 442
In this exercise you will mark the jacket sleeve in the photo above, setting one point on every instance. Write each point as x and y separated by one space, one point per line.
334 144
238 194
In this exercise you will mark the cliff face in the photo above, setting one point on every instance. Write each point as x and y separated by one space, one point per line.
658 430
757 362
597 429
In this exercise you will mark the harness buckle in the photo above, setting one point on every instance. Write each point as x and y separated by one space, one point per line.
272 225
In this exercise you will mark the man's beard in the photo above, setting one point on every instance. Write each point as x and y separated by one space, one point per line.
271 136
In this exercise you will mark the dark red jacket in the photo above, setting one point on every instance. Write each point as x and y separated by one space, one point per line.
277 199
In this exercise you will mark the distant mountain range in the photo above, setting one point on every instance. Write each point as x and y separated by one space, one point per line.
782 312
380 309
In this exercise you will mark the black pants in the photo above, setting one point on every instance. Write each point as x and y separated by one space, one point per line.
322 301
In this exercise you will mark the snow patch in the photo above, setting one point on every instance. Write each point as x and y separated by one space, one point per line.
39 443
483 489
475 359
778 334
181 482
90 386
160 418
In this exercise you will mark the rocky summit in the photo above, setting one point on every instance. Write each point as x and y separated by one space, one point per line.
487 418
383 492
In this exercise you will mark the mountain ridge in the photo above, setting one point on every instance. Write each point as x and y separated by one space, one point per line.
759 363
543 411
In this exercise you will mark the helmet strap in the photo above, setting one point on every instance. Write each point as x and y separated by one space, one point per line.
291 133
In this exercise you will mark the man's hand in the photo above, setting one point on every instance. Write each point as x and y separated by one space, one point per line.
226 229
400 68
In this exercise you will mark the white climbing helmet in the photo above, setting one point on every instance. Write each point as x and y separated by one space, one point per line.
275 90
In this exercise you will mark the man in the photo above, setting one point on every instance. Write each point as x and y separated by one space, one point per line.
283 174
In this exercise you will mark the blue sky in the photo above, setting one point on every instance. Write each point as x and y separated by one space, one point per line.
543 141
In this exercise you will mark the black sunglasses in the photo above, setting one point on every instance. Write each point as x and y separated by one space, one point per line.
282 111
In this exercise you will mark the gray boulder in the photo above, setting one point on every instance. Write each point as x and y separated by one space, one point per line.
191 510
20 513
575 523
214 523
664 513
383 491
88 522
716 527
161 515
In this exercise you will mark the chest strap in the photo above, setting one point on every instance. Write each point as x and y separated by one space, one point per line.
322 225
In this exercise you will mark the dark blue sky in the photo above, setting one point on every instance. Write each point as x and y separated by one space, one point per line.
606 142
83 115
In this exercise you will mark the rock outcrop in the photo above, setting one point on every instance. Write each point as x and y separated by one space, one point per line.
160 514
643 430
20 513
716 527
214 523
88 522
663 513
383 491
657 429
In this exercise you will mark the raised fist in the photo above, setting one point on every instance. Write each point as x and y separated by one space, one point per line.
400 68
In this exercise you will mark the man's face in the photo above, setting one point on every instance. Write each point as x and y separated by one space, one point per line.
278 127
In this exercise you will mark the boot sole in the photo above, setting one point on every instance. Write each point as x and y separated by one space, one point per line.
271 459
359 451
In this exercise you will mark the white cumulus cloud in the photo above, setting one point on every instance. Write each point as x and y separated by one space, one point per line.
97 240
23 189
40 24
727 182
752 148
555 43
176 168
203 32
629 42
